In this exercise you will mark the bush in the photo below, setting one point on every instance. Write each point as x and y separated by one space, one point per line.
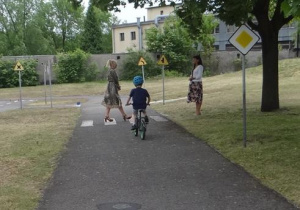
10 78
74 67
173 73
132 69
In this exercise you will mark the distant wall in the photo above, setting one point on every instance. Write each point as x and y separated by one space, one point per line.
42 60
221 61
227 61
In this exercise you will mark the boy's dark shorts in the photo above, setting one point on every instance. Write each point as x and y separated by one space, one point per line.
136 111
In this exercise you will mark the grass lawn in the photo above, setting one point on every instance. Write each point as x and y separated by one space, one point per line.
30 142
31 139
273 152
174 86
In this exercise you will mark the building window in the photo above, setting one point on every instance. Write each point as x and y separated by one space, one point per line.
230 29
217 29
122 36
133 37
161 12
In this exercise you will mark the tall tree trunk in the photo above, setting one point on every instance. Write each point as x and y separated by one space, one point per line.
270 89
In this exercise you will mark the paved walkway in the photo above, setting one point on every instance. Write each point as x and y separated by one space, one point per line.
106 168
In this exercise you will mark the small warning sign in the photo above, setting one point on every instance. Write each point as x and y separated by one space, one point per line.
18 67
142 62
162 61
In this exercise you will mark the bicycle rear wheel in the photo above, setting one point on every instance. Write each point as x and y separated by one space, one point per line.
143 132
136 131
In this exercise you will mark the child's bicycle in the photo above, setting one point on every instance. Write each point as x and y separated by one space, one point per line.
141 125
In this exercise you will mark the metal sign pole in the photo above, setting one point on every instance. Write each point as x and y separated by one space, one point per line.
244 103
50 82
45 83
20 87
163 80
143 75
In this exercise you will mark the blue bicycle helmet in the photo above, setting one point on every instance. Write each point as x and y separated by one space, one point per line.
138 80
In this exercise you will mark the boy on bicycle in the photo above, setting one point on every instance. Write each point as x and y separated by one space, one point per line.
140 98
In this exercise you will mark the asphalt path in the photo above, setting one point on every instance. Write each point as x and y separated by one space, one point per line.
105 167
6 105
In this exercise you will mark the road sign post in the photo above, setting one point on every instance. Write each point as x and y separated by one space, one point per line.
142 62
50 82
19 68
20 88
163 61
244 39
244 103
45 82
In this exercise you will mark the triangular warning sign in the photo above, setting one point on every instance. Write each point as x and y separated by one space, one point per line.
18 67
162 60
142 62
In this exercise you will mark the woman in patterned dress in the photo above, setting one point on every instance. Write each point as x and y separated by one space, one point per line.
111 96
195 88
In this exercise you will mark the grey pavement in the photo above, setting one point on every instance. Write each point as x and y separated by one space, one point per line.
6 105
105 167
12 104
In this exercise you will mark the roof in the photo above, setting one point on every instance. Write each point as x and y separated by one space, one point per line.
125 25
162 6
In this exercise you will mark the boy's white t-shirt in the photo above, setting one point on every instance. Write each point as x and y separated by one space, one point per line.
197 74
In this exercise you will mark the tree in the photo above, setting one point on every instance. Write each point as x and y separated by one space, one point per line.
14 18
172 41
68 23
92 34
264 16
205 37
106 22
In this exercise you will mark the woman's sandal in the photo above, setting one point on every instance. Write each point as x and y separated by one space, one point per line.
125 117
107 119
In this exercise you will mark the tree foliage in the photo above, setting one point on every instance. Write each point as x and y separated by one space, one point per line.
74 67
131 69
92 35
47 27
10 78
264 16
174 42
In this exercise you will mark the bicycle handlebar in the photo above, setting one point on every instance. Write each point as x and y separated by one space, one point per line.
131 104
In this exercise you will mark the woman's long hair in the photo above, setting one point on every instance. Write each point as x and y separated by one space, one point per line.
108 63
198 58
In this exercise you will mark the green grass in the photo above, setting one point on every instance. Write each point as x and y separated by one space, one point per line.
30 144
273 150
32 139
173 86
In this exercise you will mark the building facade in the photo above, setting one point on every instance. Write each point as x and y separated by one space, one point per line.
132 35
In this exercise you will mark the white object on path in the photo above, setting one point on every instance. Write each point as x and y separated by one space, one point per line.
87 123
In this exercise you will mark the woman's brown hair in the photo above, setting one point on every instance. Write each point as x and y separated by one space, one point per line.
197 57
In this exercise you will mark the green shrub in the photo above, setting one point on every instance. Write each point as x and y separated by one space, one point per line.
30 76
74 67
91 72
10 78
173 73
131 68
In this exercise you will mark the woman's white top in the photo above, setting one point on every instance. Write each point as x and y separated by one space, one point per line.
197 74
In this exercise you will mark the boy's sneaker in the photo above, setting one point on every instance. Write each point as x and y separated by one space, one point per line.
146 119
133 127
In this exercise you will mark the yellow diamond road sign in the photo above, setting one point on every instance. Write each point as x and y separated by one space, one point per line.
162 61
142 62
18 67
244 39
